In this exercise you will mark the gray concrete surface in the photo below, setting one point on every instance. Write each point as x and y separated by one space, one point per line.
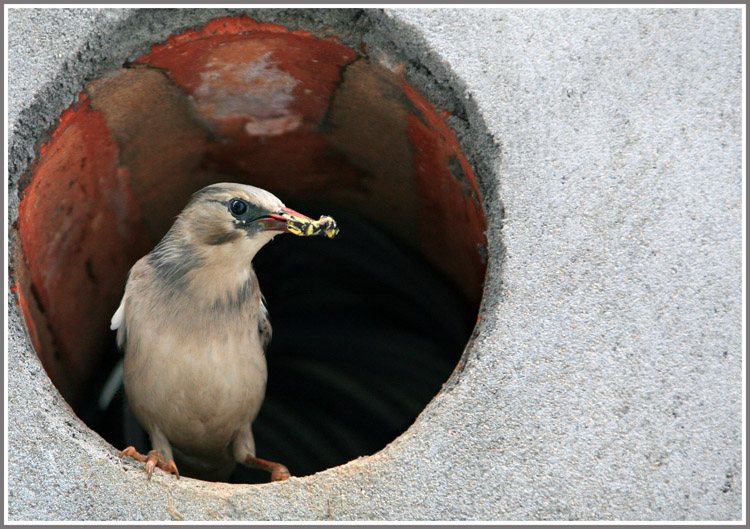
605 378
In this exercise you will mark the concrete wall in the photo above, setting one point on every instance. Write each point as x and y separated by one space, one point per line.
604 379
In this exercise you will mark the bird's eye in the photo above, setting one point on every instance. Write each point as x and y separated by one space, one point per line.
237 207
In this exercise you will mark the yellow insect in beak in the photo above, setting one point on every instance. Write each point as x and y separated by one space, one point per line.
293 222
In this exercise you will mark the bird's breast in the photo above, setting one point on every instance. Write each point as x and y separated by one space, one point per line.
198 378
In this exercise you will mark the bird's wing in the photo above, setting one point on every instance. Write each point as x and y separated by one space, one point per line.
119 321
114 380
264 325
118 318
118 324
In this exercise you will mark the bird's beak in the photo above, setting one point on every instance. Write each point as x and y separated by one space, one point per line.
284 218
290 221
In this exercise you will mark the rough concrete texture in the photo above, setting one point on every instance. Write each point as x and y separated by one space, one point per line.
604 380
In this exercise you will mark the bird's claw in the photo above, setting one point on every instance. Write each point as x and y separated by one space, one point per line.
278 471
154 458
307 228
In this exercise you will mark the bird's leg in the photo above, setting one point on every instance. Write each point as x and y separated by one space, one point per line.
278 471
153 459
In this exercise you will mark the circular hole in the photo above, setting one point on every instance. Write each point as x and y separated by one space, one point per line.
367 327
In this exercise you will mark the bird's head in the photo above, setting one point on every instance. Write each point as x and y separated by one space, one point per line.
236 213
218 233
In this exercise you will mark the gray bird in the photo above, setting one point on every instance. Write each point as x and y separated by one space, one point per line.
194 328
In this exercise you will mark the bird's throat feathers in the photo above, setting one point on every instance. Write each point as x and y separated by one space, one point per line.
220 275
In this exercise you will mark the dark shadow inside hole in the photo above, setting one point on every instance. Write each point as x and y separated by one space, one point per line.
365 333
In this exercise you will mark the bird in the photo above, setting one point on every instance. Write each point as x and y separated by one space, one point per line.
194 328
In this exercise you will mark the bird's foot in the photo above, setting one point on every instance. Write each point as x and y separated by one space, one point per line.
278 471
153 459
